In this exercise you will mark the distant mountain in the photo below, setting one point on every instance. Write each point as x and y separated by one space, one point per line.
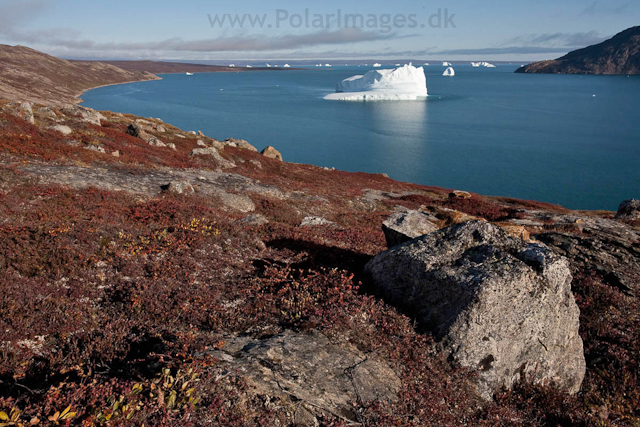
618 55
29 75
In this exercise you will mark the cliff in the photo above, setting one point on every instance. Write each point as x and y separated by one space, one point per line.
618 55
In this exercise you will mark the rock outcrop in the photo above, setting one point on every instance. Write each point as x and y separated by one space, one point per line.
498 305
629 209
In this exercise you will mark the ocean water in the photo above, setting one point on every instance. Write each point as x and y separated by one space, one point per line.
538 137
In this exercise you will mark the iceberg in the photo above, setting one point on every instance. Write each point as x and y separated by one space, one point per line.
376 65
450 72
286 66
446 64
406 83
475 64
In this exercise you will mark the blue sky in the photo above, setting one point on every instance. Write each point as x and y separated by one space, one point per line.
501 30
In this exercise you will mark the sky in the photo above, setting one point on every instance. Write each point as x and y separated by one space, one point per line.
509 30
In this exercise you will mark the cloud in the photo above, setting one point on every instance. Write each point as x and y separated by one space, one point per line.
513 50
254 43
14 14
567 40
596 8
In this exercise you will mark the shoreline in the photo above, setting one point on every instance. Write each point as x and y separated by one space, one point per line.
79 100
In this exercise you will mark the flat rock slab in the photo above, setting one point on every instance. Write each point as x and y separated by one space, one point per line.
497 304
231 189
322 377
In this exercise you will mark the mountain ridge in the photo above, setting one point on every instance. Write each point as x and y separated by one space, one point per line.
617 56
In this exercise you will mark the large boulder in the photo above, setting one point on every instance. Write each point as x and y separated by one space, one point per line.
629 209
497 304
404 226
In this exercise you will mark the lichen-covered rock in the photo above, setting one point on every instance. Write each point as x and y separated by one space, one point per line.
404 226
629 209
323 378
497 304
271 153
457 194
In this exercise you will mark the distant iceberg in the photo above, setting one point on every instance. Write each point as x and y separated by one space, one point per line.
406 83
449 72
286 66
446 64
376 65
475 64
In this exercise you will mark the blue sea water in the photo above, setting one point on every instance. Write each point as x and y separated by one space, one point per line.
539 137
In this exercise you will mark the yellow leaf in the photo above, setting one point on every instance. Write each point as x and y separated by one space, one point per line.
55 416
68 416
3 416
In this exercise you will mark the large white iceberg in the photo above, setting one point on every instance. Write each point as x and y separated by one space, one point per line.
406 83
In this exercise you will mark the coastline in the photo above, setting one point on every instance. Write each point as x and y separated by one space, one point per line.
79 100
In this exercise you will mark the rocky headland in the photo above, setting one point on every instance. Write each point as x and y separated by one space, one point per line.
618 55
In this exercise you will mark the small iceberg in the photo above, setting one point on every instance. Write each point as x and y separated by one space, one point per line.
286 66
426 64
327 65
189 74
268 66
249 66
475 64
376 65
232 65
406 83
446 64
449 72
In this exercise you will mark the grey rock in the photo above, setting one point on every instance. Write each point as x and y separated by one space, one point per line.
241 143
457 194
271 153
201 143
404 226
323 377
310 221
65 130
25 111
179 187
134 130
210 151
497 304
629 209
200 133
236 202
95 148
91 116
254 219
46 113
155 142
